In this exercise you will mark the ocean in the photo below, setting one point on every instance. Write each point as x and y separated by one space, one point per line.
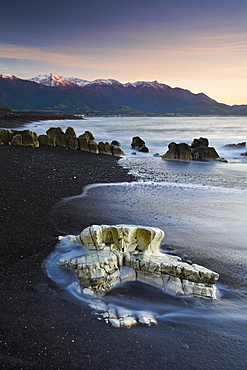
201 206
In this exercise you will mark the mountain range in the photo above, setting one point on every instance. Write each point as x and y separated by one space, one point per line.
106 96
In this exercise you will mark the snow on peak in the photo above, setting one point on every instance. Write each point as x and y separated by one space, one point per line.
7 76
53 80
102 81
78 81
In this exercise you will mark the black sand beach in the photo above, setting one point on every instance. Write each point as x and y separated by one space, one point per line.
41 327
19 119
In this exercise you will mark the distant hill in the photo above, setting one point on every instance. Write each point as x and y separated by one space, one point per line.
56 93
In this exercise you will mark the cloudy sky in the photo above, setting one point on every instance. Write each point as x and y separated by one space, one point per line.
200 45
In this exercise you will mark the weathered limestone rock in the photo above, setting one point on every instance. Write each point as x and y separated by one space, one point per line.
178 151
105 148
16 139
30 139
87 135
5 136
72 142
26 138
205 153
198 150
58 134
47 140
115 143
129 252
93 146
117 151
139 144
83 144
70 132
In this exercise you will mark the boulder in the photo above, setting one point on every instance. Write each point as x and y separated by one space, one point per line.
93 146
30 139
58 134
202 141
26 138
139 144
70 132
204 153
178 151
118 253
198 150
115 143
16 139
47 140
5 136
83 143
117 151
72 142
244 153
87 135
236 146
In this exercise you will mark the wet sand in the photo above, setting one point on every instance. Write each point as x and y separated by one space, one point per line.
41 327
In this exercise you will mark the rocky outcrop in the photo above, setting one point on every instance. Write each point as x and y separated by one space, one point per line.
139 144
236 146
198 150
56 137
178 151
15 137
117 253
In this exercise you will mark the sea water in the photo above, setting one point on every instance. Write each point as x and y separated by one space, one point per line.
201 206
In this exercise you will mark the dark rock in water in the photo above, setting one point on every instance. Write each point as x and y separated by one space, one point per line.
200 142
115 143
236 146
198 150
178 151
139 144
245 154
204 153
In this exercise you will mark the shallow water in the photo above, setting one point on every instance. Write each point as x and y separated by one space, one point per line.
158 132
198 220
201 206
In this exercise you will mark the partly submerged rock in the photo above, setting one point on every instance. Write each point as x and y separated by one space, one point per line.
198 150
236 146
139 144
118 253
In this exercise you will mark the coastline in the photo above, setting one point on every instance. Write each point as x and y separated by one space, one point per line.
17 120
41 326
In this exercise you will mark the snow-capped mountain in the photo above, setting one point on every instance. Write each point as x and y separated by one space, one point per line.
103 96
110 87
53 80
7 76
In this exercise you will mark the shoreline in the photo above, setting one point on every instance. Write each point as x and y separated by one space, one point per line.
17 120
43 328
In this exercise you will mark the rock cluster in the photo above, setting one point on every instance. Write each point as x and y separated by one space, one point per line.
56 137
139 144
117 253
198 150
17 137
236 146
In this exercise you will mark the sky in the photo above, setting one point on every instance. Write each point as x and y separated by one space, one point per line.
199 45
